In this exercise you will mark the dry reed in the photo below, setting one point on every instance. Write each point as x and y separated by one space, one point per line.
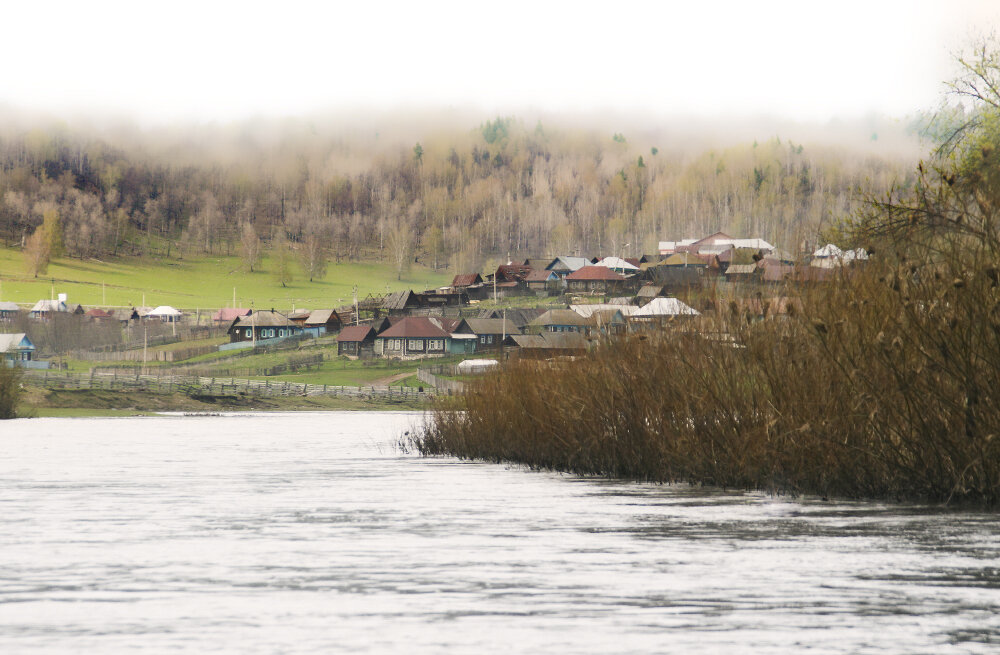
883 384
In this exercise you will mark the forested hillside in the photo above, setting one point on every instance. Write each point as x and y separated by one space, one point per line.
458 197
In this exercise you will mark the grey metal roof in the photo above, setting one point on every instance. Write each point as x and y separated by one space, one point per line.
264 319
491 326
14 342
559 317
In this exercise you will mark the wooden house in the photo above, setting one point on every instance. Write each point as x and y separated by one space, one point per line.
9 311
563 266
745 273
490 332
559 320
416 337
464 280
595 279
322 321
541 280
16 348
261 326
356 342
44 309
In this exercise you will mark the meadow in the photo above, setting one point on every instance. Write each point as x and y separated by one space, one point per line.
200 282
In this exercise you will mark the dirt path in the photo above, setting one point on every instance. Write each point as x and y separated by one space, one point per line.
385 382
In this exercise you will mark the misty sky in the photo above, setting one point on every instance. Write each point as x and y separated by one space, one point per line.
803 60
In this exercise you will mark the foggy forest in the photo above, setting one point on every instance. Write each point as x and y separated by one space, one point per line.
447 196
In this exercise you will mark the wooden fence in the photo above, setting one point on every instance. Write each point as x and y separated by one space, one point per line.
214 386
432 376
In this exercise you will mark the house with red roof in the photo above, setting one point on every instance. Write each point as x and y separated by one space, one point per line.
356 341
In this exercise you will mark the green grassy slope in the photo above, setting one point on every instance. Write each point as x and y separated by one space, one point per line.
199 282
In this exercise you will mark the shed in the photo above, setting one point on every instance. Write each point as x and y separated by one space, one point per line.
356 341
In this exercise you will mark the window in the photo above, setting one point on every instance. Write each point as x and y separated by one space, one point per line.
414 344
482 338
435 344
489 338
281 333
250 333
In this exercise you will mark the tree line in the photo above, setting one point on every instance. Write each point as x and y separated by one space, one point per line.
459 198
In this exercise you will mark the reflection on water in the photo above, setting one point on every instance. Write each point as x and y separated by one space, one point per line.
311 533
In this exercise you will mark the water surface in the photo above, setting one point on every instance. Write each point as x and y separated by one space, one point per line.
311 533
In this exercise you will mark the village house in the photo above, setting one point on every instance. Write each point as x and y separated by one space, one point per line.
542 281
44 309
321 321
563 266
490 332
464 280
619 265
261 326
744 273
16 349
9 311
356 342
519 317
559 320
660 311
595 279
608 322
416 337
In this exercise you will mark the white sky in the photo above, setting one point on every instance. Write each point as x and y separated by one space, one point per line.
799 59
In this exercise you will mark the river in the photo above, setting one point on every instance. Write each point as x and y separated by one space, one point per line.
312 533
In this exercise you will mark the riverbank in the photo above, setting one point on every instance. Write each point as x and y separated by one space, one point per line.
47 402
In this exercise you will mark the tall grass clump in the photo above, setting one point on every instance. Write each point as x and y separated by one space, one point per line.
884 383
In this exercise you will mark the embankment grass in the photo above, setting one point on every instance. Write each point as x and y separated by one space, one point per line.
884 384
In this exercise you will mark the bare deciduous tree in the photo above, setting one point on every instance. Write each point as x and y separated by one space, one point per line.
36 252
249 247
313 256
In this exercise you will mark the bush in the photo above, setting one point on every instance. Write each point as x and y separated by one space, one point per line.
10 389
